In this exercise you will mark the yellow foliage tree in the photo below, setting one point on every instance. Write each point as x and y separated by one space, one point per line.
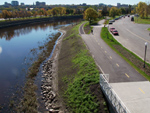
100 13
142 9
113 12
90 14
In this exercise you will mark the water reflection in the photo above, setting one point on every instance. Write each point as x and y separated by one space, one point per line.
1 49
9 33
16 43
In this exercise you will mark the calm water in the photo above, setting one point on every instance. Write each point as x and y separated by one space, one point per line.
15 46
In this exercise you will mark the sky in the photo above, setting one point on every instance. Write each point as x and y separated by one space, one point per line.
51 2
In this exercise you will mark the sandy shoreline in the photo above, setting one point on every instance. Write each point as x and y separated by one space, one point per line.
50 83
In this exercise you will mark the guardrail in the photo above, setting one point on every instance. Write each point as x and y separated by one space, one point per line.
111 95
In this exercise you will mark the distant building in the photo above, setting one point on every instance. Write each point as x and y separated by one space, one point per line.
84 4
7 4
101 4
14 3
123 5
118 4
22 4
40 3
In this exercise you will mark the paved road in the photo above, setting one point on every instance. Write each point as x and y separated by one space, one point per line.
132 88
110 62
133 36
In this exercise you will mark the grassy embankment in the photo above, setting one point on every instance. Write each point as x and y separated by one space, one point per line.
130 57
79 76
28 103
142 21
87 28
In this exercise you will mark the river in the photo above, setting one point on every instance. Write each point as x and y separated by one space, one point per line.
16 55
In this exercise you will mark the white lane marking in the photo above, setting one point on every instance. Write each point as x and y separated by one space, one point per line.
138 36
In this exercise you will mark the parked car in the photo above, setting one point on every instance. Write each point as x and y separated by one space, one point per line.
132 18
115 32
112 29
116 18
110 22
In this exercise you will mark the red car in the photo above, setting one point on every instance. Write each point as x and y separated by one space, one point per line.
112 29
115 32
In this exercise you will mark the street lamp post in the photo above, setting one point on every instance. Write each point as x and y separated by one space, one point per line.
145 53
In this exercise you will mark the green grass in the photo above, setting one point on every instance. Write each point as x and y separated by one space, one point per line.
148 29
69 37
130 58
78 95
142 21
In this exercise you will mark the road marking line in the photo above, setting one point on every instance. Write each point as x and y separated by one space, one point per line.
117 65
101 47
127 75
110 57
105 51
138 36
141 90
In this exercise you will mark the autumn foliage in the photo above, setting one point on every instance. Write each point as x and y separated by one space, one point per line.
90 14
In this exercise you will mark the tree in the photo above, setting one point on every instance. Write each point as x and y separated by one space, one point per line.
100 13
6 14
123 10
49 12
142 9
129 9
113 12
105 11
90 14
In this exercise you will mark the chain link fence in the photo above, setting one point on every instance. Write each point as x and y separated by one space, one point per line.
111 95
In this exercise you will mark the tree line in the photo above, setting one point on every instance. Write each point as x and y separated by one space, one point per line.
141 8
24 13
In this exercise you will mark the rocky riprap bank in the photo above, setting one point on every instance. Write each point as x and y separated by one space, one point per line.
49 95
50 81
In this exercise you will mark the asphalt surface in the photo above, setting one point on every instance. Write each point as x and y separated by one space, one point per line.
133 36
109 61
131 87
135 95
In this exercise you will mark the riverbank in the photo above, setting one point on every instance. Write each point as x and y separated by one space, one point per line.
29 101
78 76
37 20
